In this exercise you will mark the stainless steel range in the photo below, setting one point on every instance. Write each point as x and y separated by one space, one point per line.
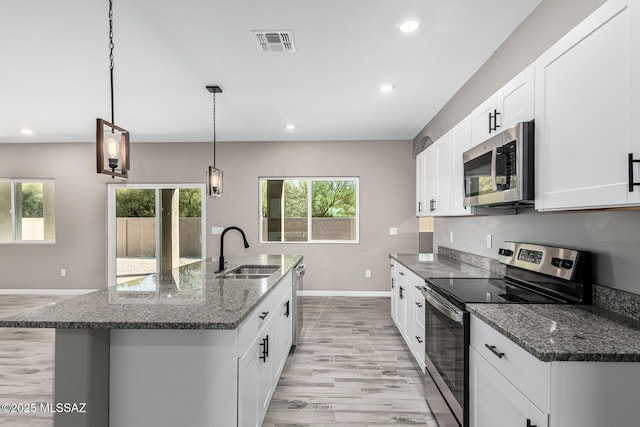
534 274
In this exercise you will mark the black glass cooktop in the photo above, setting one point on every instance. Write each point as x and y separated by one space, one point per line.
497 291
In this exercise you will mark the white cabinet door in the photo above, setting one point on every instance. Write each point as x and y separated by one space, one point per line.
585 96
442 201
516 99
266 368
495 402
512 104
402 308
482 125
421 209
394 294
282 335
460 142
248 386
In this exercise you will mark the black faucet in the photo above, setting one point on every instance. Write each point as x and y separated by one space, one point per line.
221 259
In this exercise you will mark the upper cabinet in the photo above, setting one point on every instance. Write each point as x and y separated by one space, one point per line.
433 173
512 104
587 97
460 142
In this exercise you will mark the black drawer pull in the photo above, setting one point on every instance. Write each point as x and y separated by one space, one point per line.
419 339
631 182
264 315
286 307
401 292
529 423
401 273
418 304
493 350
265 349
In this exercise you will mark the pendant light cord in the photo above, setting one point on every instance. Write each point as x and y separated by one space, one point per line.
111 57
214 129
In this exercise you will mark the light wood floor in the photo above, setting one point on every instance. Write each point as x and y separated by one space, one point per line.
351 368
26 363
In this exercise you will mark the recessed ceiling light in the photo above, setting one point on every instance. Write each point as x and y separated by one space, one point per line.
26 131
409 26
387 88
290 126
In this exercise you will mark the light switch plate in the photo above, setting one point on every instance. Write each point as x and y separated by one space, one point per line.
393 231
367 273
489 241
217 230
451 237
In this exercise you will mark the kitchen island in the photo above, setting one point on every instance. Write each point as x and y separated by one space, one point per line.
184 347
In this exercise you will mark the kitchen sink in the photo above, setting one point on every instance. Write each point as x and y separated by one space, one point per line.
250 272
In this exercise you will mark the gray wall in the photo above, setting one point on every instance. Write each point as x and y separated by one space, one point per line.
81 204
614 237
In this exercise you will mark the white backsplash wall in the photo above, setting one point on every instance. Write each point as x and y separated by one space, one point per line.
613 237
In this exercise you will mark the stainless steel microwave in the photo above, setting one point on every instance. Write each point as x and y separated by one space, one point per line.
500 171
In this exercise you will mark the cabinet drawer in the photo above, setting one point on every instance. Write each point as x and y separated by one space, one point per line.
250 327
408 277
417 299
523 370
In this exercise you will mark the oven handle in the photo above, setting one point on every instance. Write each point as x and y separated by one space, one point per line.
494 159
443 306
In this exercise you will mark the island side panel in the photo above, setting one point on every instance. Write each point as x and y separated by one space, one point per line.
168 378
81 378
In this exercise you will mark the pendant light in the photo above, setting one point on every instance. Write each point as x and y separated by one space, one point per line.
112 142
214 175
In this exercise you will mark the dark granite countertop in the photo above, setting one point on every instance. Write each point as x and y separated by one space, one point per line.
434 266
565 332
188 297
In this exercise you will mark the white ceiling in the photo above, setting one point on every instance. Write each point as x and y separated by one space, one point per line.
54 75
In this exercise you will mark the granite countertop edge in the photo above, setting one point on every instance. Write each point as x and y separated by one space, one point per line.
23 320
553 356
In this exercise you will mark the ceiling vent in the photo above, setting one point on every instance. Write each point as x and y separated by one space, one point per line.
275 41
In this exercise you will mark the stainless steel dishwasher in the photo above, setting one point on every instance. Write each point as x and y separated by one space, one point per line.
298 316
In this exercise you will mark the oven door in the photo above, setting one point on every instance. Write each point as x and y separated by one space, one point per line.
447 353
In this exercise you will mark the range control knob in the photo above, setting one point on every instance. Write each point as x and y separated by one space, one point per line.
505 252
555 262
566 264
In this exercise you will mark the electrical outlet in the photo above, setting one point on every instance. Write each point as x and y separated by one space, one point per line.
63 272
489 241
451 237
367 273
393 231
217 230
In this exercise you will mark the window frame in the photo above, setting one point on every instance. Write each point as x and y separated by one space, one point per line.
310 180
13 241
111 220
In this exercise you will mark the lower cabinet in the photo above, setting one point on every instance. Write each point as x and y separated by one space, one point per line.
407 309
509 387
495 401
260 366
205 377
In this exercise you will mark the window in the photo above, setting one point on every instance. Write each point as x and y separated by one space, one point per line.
152 228
27 211
309 210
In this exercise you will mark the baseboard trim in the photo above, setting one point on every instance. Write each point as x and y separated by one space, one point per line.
70 292
385 294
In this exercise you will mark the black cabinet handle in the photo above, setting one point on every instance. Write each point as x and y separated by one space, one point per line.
286 308
631 162
432 205
393 283
493 350
493 117
419 339
401 273
418 304
265 349
529 423
264 315
401 292
419 206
